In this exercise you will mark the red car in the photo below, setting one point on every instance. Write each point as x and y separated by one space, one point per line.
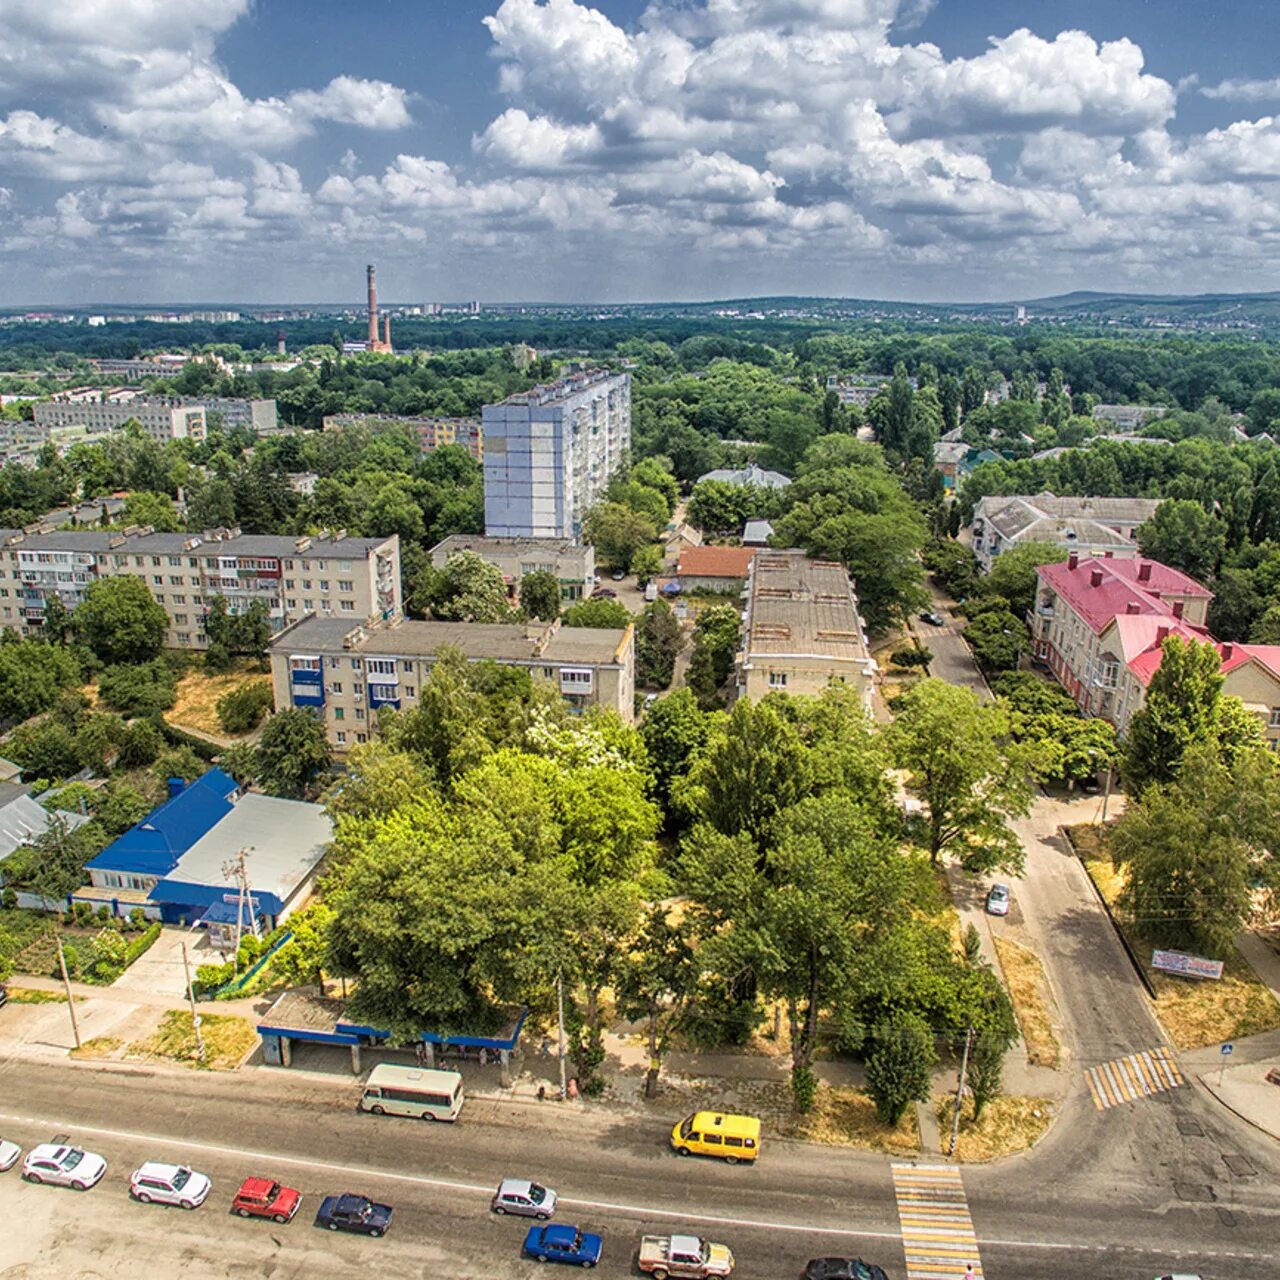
263 1198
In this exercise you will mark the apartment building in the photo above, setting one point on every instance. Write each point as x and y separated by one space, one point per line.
431 433
1099 625
573 563
550 452
1128 415
348 578
802 630
162 418
347 674
161 366
1087 526
257 415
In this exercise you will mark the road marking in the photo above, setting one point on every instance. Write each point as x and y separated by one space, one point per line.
1135 1076
938 1239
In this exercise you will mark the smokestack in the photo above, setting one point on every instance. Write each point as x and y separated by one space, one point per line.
280 342
1073 560
1131 607
1095 578
373 307
387 332
1144 571
1227 651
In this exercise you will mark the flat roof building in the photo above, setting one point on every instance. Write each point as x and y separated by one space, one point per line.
431 433
162 418
573 563
801 629
347 674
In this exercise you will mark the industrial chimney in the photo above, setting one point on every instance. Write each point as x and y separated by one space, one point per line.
373 308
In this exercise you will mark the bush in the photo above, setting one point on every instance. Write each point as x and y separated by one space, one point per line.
9 899
137 917
143 689
209 977
140 743
242 709
144 940
104 913
106 960
911 657
804 1089
81 913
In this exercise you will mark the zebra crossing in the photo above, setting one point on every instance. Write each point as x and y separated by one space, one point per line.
1138 1075
937 1231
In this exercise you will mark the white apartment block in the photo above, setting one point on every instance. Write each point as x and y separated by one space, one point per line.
346 674
357 579
573 563
257 415
162 418
549 453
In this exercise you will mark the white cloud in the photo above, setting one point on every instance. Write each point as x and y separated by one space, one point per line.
539 143
33 145
371 104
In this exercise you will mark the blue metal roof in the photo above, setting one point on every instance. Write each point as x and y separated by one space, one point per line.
154 846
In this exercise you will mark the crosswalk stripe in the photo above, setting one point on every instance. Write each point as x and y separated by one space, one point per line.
1133 1077
938 1239
1147 1067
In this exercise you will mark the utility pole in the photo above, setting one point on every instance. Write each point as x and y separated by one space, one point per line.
66 982
964 1070
564 1083
1106 794
191 997
235 869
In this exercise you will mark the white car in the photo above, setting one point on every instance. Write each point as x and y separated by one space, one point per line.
64 1166
169 1184
524 1198
9 1153
998 898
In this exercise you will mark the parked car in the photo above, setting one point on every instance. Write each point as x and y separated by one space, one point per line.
843 1269
9 1153
998 900
359 1214
158 1183
663 1256
525 1198
63 1166
604 593
933 619
265 1198
618 574
563 1244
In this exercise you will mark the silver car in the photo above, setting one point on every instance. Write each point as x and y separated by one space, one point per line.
64 1166
998 900
525 1198
9 1153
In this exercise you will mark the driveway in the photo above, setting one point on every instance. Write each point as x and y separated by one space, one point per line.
159 970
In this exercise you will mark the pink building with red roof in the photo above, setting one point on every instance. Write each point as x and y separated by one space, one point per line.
1100 623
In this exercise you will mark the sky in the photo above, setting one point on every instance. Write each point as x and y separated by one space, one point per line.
262 151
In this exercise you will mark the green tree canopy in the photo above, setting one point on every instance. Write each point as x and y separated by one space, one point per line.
540 595
32 676
119 620
292 752
1183 535
467 589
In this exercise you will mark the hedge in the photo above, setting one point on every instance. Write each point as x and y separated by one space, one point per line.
142 942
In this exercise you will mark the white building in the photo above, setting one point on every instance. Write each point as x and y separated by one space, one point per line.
549 453
163 419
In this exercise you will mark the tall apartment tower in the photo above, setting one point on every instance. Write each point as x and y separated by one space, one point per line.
549 453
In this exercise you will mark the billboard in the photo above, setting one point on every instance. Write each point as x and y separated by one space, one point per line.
1188 966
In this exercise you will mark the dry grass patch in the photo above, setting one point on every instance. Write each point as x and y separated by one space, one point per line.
1197 1012
29 995
847 1118
1029 991
199 691
1007 1125
227 1041
98 1047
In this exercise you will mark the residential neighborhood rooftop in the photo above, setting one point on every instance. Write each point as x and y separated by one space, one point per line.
716 562
802 606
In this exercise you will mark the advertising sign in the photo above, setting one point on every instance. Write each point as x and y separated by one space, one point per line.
1188 966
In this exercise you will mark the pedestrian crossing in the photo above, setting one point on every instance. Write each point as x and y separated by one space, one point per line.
937 1231
1139 1075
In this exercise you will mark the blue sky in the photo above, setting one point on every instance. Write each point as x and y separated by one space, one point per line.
263 150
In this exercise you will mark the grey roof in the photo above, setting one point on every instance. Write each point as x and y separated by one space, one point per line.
796 605
22 818
751 475
285 838
1011 515
757 531
265 544
480 543
950 451
501 642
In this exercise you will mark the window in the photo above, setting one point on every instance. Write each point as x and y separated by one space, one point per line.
309 606
777 679
180 619
310 662
341 736
348 606
306 584
381 666
339 713
155 561
158 579
179 599
320 565
344 566
1274 722
324 584
410 691
292 604
345 584
362 737
175 581
336 687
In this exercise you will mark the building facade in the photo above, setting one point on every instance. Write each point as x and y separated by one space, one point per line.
550 452
162 418
257 415
431 433
802 630
1087 526
352 578
573 563
347 674
1099 625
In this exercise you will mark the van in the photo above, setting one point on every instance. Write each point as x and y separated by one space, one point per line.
651 591
392 1090
717 1133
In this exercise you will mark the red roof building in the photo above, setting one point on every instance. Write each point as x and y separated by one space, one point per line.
714 568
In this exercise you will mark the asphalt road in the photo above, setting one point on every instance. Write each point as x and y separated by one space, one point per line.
952 661
1098 1198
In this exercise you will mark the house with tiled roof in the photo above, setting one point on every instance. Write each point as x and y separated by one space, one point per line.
714 568
1099 624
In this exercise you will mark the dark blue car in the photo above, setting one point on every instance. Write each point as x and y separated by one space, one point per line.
563 1243
354 1213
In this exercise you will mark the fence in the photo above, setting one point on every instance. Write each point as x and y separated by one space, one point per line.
236 985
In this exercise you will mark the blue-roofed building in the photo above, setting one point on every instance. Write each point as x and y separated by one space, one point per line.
174 863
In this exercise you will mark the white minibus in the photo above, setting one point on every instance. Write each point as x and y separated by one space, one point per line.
412 1091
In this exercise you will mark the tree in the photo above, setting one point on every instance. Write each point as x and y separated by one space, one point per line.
243 707
998 639
899 1066
597 613
953 566
540 595
119 620
962 767
241 762
56 624
293 750
674 729
140 743
303 960
1195 849
52 863
32 676
1185 536
617 533
1013 574
44 750
986 1071
646 564
1181 709
154 509
467 589
138 688
659 638
715 644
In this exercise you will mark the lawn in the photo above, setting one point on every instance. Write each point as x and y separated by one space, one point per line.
847 1118
1029 991
227 1041
29 995
1194 1011
1007 1125
199 691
